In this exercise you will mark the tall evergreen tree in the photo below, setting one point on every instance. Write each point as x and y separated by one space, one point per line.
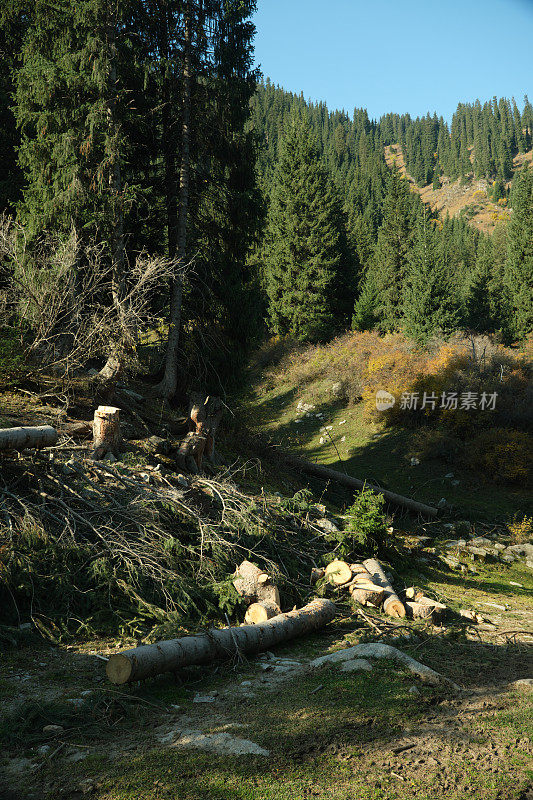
391 254
519 265
428 306
305 263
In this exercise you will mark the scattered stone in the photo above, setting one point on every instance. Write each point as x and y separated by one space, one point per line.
321 440
337 390
223 743
514 583
414 690
53 729
525 549
343 438
415 462
182 480
342 422
449 475
496 605
204 698
43 750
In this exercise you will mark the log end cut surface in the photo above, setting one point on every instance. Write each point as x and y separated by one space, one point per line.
119 668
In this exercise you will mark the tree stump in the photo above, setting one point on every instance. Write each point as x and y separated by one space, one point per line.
106 432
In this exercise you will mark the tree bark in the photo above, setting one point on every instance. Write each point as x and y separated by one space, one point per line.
106 432
425 608
392 604
149 660
354 483
367 593
21 438
167 387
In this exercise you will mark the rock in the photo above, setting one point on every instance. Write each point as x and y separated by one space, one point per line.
246 683
415 462
53 729
507 558
525 549
529 563
449 475
223 743
477 553
204 698
182 480
305 407
110 458
326 525
87 785
343 438
321 440
523 683
499 546
451 561
342 422
414 690
157 445
43 750
338 391
357 665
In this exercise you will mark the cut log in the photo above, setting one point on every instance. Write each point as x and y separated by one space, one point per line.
367 593
426 608
255 584
392 605
360 574
338 572
21 438
148 660
260 612
328 474
77 430
106 432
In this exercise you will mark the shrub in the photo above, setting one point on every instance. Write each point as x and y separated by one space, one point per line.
502 455
365 524
521 530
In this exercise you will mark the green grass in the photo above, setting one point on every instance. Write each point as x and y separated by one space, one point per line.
369 452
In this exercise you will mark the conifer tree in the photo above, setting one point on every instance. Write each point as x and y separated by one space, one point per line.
428 306
391 254
519 264
306 264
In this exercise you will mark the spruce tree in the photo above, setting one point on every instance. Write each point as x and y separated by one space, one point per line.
305 265
428 305
519 265
391 254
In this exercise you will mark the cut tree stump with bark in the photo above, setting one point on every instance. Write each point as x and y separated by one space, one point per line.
367 593
255 585
106 432
204 418
392 604
224 643
260 612
338 572
34 437
425 608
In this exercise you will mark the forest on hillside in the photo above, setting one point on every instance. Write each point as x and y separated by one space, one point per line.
163 208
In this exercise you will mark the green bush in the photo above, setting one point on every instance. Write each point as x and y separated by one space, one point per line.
365 525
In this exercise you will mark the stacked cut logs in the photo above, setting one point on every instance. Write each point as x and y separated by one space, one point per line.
256 587
368 585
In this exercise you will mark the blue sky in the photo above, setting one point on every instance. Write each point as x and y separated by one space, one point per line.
397 55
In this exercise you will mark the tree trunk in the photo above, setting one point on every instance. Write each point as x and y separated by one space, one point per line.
392 605
106 432
167 387
21 438
255 584
260 612
354 483
224 643
367 593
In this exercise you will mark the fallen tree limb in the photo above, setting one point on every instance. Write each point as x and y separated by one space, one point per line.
354 483
21 438
223 643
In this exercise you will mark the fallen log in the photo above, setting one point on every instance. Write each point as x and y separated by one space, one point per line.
338 572
260 612
149 660
255 585
354 483
392 605
21 438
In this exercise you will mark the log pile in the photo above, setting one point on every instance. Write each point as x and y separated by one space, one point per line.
368 585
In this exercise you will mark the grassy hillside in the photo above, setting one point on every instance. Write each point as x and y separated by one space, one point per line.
471 200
